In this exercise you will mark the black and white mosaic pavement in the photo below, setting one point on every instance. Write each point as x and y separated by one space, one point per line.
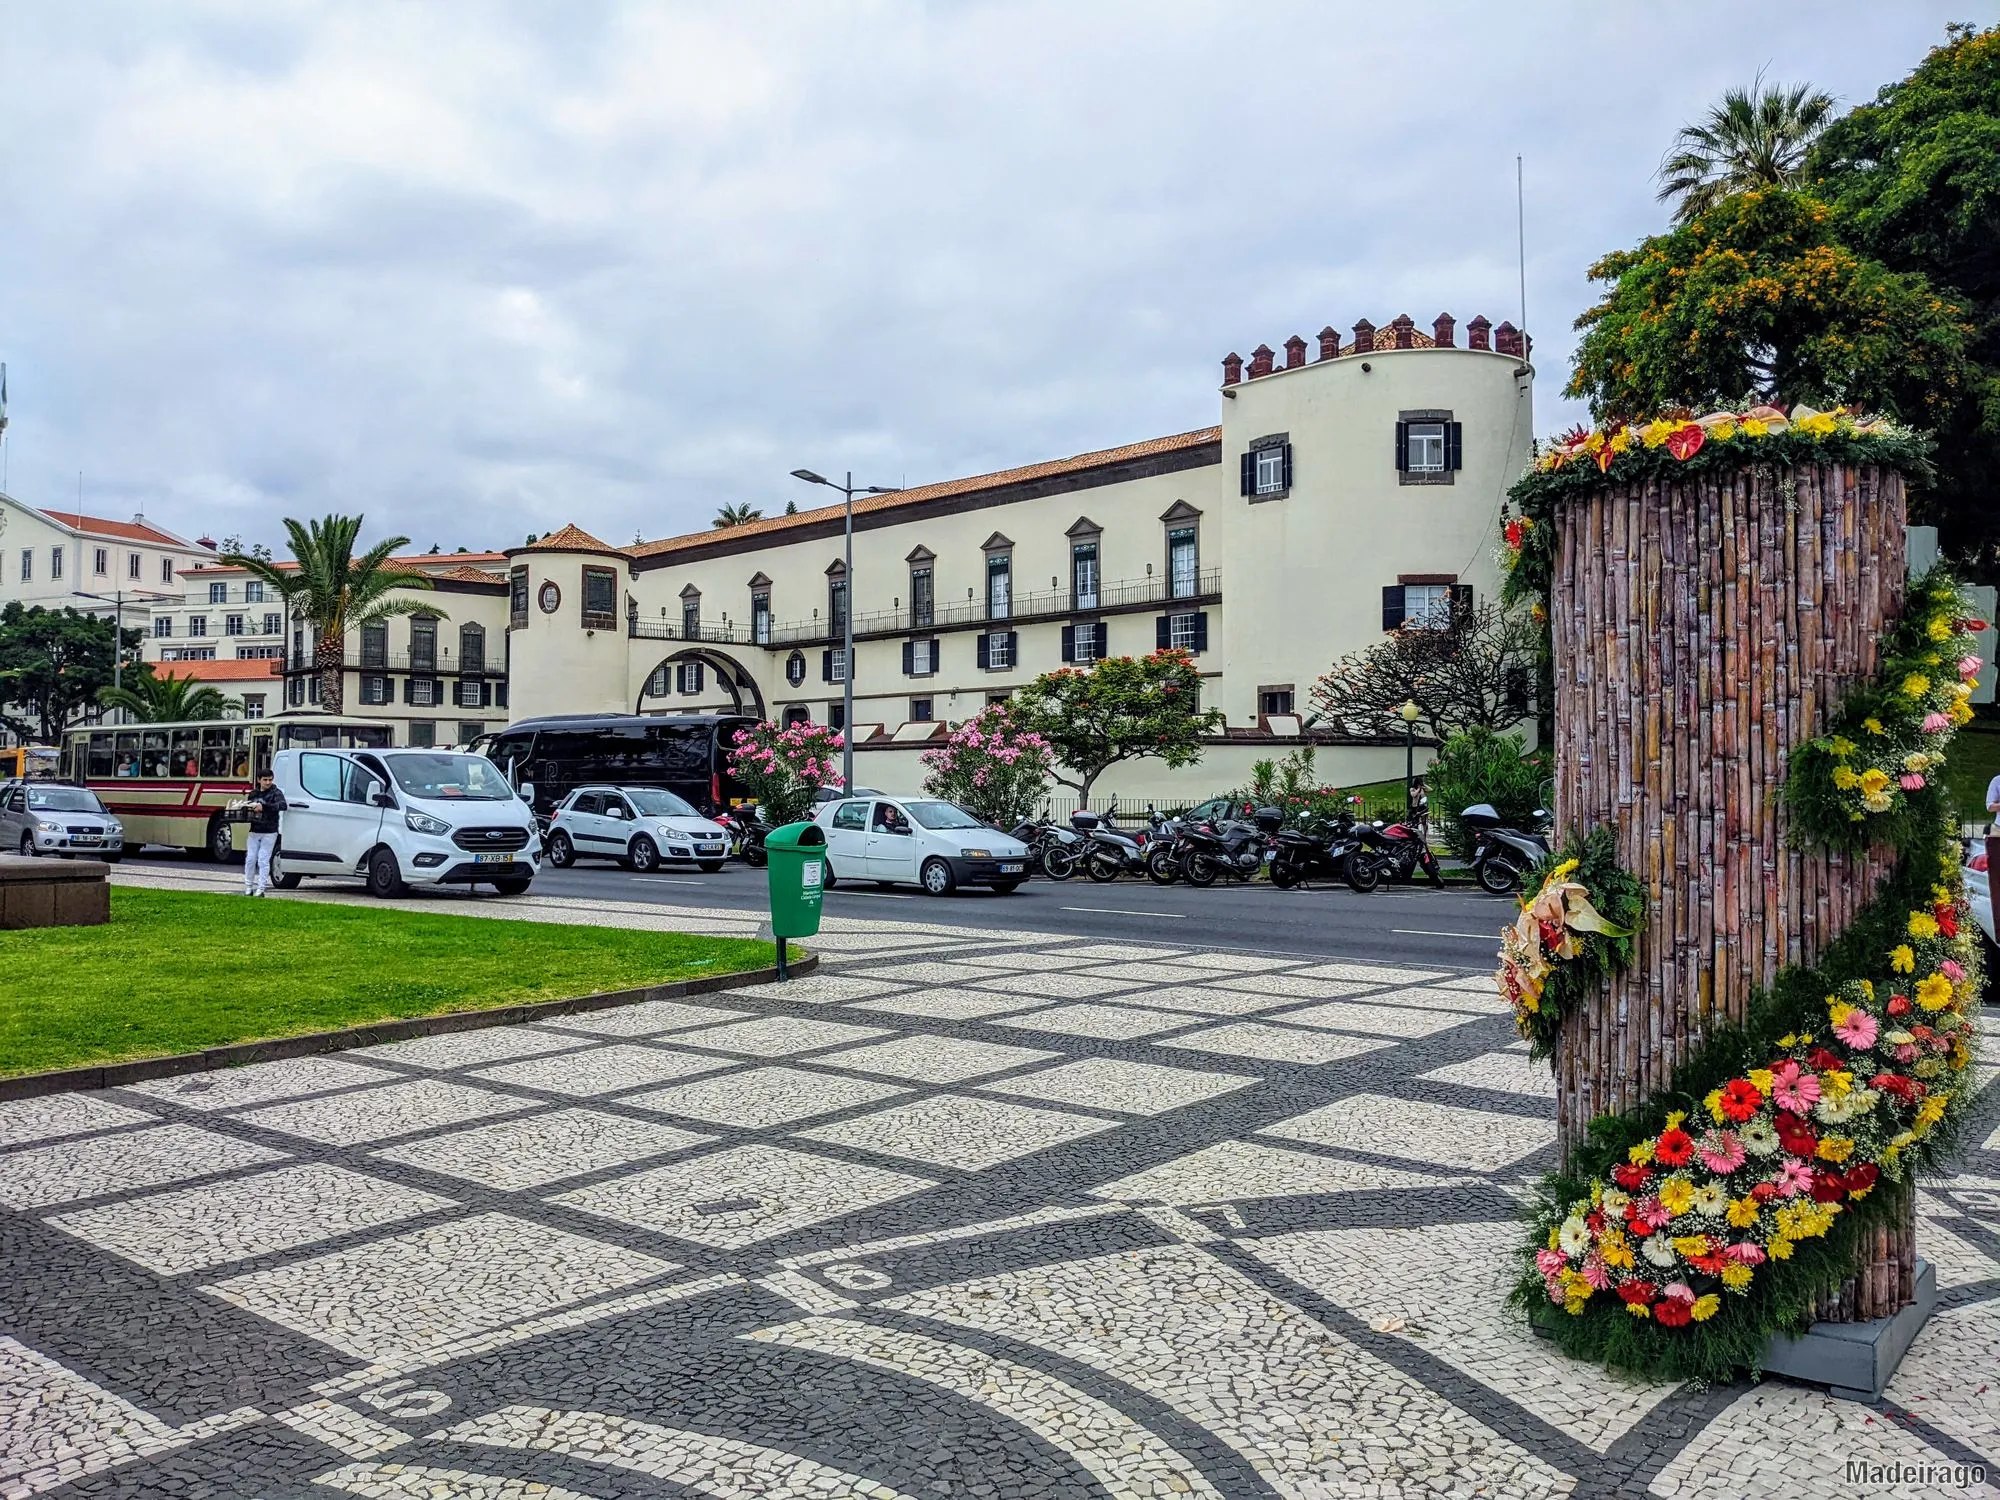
965 1214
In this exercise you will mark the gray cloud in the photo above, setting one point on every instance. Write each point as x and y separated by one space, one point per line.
480 269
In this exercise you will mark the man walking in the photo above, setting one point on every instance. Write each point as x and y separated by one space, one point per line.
264 804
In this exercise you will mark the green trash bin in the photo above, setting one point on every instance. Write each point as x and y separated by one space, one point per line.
797 869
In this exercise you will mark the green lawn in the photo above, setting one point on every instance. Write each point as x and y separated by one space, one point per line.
178 971
1974 760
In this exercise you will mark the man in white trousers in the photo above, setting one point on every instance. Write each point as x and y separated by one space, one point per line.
264 804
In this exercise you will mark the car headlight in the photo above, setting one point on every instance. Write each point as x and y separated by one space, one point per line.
47 827
978 853
112 825
418 822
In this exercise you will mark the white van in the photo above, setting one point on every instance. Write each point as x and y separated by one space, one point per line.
397 818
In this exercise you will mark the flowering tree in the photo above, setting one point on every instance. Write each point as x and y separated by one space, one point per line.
782 768
992 767
1120 708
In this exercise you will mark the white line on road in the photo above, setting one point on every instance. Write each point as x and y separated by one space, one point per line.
1484 937
667 880
1119 911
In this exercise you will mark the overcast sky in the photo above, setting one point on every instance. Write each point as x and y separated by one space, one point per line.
480 269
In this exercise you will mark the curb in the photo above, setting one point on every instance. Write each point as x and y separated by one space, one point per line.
235 1054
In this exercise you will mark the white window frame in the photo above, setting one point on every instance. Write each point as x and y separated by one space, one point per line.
1423 451
1427 606
1084 641
998 656
838 661
1184 583
1270 471
218 593
921 664
1086 574
132 561
253 705
163 627
166 570
253 591
232 625
101 558
197 626
1180 631
27 565
999 585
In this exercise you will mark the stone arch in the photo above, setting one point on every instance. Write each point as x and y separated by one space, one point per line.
731 679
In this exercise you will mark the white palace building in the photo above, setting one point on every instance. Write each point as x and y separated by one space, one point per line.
1340 496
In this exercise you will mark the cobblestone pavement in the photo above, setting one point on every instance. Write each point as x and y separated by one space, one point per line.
960 1216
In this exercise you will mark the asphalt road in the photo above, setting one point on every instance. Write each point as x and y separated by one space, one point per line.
1457 927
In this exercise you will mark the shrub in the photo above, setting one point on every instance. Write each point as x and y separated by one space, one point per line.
783 768
1481 766
1291 786
991 767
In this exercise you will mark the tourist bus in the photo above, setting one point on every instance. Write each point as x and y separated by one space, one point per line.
172 783
687 754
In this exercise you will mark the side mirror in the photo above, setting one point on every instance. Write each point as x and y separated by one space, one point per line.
527 792
382 799
614 812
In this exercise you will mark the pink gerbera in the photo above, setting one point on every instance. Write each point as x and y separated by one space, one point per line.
1652 1211
1936 723
1748 1251
1858 1028
1548 1262
1794 1177
1793 1088
1952 970
1911 781
1721 1152
1680 1291
1594 1270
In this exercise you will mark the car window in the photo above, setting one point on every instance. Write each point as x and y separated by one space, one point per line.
58 799
586 802
360 784
14 801
614 807
851 815
889 819
322 776
450 778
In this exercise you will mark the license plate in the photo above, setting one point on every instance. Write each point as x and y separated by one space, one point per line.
493 859
711 848
1010 869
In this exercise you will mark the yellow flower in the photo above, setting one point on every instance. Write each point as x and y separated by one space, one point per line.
1616 1253
1916 761
1873 726
1676 1195
1641 1154
1835 1083
1743 1213
1916 685
1778 1247
1705 1307
1868 985
1655 432
1874 779
1961 713
1735 1275
1934 992
1846 778
1722 432
1761 1077
1923 925
1675 1118
1838 1010
1931 1111
1834 1148
1713 1101
1819 424
1841 746
1754 427
1876 802
1939 629
1638 1309
1691 1245
1621 440
1902 960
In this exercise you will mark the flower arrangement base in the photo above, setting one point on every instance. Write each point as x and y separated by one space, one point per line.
1856 1360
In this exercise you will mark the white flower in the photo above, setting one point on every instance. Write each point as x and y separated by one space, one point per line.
1574 1236
1616 1201
1658 1250
1759 1139
1711 1201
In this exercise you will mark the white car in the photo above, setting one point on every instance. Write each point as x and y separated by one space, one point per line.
937 845
636 825
398 818
1979 894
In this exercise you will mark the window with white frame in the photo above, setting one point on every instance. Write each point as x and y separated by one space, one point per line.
1083 575
836 664
760 617
197 625
27 564
1183 563
1424 450
163 627
1270 475
55 562
253 591
166 570
101 558
253 705
1181 631
423 692
273 623
132 565
218 593
232 624
1000 649
921 664
1427 605
999 585
1086 642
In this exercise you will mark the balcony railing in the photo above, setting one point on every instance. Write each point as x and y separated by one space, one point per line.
443 663
968 614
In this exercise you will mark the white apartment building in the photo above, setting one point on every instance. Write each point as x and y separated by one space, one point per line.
58 558
1337 497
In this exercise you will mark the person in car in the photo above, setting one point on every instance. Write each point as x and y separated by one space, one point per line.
264 804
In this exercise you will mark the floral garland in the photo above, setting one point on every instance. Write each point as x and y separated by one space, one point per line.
1686 1233
1573 932
1674 446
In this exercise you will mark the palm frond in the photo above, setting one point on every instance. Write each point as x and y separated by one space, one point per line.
1754 137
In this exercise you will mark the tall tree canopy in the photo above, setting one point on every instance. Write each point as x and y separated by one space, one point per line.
1754 138
53 664
167 700
1118 709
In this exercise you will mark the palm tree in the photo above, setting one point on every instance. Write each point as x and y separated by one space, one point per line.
737 515
334 591
1755 138
168 700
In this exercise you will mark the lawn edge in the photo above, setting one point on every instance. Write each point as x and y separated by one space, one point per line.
234 1054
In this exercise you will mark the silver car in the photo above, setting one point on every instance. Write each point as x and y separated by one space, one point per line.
45 817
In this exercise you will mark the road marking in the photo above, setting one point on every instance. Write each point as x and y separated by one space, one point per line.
1484 937
1120 911
667 880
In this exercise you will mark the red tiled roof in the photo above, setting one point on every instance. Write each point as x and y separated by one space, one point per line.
129 531
218 671
467 574
413 562
571 538
864 505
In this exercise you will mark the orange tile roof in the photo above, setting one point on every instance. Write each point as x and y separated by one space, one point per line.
465 573
571 538
864 505
412 562
218 671
129 531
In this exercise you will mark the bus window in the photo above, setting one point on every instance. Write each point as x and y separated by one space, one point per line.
368 736
153 752
102 763
127 754
260 752
239 752
215 751
185 760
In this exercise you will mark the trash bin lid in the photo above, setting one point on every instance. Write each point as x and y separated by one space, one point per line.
796 836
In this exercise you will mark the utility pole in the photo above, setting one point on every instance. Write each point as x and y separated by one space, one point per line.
847 618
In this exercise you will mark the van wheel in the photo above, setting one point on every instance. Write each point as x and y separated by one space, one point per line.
385 876
644 854
938 879
562 853
221 841
514 885
279 878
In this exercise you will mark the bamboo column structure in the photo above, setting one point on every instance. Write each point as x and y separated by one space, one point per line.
1701 630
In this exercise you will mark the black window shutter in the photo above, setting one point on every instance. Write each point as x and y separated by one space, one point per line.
1201 632
697 677
1402 447
936 660
485 693
1013 649
826 666
1461 598
1161 632
409 690
1392 606
1249 472
909 658
1288 466
985 651
499 695
1102 638
458 693
1069 643
1453 445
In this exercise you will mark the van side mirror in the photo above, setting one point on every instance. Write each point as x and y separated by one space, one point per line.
527 792
383 798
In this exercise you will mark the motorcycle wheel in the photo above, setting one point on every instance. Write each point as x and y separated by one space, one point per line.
1497 877
1104 865
1161 866
1283 875
1057 862
1201 870
1363 874
1433 873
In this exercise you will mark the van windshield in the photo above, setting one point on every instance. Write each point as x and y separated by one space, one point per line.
450 778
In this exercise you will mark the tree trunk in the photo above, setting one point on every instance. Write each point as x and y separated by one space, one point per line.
329 655
1701 630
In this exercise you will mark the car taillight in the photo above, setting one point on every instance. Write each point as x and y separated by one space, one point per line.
715 789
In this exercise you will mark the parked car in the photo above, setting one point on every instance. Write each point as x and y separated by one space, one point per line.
1979 896
396 818
38 817
901 840
636 825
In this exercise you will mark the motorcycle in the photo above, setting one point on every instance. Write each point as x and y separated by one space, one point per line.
1054 850
1107 853
1394 853
752 831
1501 856
1237 848
1319 852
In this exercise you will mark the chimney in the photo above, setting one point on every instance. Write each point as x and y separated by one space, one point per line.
1295 352
1329 343
1507 340
1401 332
1364 336
1476 333
1260 360
1441 331
1232 369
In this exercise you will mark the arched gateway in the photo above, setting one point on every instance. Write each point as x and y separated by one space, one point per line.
698 678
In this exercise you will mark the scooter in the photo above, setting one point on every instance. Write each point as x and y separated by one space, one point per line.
1107 853
1054 850
1501 856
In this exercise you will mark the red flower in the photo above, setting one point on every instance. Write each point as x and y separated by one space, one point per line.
1604 457
1860 1178
1764 1192
1899 1005
1795 1136
1947 920
1673 1313
1675 1148
1708 1265
1906 1089
1822 1060
1514 535
1685 441
1828 1187
1630 1176
1594 1222
1740 1099
1636 1291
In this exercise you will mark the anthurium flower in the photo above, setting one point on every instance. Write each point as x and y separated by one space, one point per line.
1685 440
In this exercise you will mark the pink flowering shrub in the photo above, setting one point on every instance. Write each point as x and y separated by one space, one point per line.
781 768
991 767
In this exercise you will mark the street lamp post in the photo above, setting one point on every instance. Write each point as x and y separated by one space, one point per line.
850 490
1411 713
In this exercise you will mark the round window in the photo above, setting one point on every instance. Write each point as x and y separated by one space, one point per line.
795 668
550 598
